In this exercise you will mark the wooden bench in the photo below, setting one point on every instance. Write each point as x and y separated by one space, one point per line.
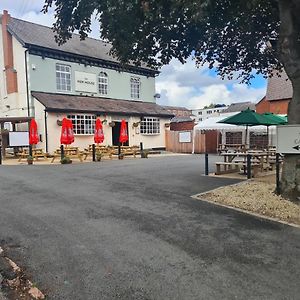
36 154
126 150
233 167
104 150
71 152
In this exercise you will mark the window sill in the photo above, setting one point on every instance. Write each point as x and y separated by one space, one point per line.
150 134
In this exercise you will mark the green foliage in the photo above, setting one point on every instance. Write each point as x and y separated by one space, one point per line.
30 158
65 160
227 34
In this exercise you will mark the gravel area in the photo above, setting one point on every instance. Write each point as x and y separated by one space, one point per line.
257 197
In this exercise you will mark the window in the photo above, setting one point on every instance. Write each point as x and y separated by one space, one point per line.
63 77
209 112
135 86
102 83
200 119
150 125
200 113
83 124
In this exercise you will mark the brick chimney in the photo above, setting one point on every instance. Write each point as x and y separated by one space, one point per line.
10 72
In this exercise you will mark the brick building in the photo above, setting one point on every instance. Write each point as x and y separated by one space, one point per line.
278 96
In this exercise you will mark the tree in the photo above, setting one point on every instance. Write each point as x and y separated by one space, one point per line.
231 35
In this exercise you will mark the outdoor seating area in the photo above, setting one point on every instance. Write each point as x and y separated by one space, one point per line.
243 159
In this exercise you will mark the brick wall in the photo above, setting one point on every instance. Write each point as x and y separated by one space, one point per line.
182 126
274 106
262 106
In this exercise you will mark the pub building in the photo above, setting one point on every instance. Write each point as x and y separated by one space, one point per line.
79 80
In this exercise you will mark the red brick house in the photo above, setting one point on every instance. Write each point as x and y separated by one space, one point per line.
278 96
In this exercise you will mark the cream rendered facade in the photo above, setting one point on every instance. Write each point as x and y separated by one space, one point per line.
38 73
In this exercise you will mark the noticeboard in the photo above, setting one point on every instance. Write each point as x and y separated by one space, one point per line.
185 137
18 138
288 139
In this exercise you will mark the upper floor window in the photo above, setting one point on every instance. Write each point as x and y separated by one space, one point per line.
135 87
199 113
63 77
209 112
103 83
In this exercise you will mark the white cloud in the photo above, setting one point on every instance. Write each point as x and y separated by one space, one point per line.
192 87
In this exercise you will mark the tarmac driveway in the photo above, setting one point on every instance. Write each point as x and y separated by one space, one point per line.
129 230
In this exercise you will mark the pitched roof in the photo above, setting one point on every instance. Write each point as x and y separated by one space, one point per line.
71 103
239 106
29 33
181 120
176 107
279 87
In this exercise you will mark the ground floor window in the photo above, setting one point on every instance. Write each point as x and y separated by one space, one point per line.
150 125
83 124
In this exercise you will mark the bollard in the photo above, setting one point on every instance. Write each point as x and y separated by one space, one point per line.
94 152
30 150
62 152
0 155
206 164
119 149
141 149
249 166
277 191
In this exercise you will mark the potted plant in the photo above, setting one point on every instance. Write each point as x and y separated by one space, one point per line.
66 160
121 156
29 160
144 154
99 156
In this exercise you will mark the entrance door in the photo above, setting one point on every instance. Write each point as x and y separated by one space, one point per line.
116 134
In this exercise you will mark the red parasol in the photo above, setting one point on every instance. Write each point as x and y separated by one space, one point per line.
33 133
123 132
67 133
99 135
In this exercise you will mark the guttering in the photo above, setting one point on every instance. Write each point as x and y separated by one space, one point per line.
46 130
27 86
63 110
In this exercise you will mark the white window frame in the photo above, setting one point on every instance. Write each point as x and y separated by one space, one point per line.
150 126
103 83
63 77
83 124
135 87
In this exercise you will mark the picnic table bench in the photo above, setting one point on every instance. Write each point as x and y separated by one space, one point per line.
72 152
104 150
235 166
126 150
36 154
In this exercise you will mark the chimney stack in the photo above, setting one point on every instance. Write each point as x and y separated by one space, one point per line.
10 72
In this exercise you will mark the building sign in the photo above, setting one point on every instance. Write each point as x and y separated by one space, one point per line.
288 139
185 137
85 82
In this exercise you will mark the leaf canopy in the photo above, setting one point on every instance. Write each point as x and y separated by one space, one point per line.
230 35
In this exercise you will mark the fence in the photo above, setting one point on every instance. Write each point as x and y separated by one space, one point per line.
182 141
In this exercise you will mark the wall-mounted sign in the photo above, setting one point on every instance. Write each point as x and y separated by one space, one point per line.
288 139
85 82
185 137
18 138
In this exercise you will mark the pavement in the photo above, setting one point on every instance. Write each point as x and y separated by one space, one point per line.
130 230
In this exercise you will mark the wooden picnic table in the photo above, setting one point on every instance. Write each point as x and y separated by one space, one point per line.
36 154
223 148
72 152
233 161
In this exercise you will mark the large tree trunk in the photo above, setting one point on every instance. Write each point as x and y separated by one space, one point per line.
289 52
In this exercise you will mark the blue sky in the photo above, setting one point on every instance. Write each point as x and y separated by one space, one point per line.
179 85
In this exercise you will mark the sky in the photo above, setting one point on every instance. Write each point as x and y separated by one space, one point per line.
178 84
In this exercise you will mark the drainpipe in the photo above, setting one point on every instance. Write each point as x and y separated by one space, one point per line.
46 130
27 85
